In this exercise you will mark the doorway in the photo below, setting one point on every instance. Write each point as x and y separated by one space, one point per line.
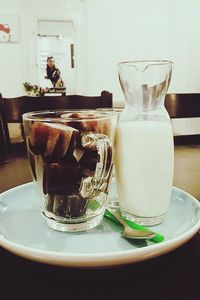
56 38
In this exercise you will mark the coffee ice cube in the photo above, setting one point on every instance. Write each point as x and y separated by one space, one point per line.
52 139
83 121
88 162
97 158
38 138
73 205
61 178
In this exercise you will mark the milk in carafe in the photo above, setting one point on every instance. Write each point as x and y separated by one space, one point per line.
144 142
144 167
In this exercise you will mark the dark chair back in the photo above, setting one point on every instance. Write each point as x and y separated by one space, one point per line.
3 143
184 106
12 109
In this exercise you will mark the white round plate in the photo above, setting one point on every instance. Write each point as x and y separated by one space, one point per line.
24 232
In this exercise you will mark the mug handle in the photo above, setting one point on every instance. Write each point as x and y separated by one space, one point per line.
91 186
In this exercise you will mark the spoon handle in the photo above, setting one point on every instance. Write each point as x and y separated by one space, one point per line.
157 238
117 216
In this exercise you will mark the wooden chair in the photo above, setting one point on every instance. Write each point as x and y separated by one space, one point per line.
184 106
3 144
12 109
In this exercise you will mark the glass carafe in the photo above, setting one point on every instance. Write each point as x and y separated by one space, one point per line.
144 142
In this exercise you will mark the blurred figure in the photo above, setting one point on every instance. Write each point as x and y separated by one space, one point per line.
53 73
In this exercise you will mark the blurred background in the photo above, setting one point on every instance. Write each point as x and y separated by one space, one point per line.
89 37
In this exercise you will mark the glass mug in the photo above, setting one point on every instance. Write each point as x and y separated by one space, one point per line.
70 156
144 142
113 201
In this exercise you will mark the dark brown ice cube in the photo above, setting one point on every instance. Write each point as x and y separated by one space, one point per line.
83 121
52 139
38 138
88 162
73 205
61 178
98 154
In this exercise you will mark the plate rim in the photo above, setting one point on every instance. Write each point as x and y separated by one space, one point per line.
92 260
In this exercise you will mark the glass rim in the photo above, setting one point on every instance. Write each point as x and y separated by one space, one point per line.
111 110
39 115
149 62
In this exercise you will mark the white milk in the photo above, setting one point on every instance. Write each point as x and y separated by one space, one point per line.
144 167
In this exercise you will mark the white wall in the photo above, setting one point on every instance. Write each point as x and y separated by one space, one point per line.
19 61
107 31
118 30
10 56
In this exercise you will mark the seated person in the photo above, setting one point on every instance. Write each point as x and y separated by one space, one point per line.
53 73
